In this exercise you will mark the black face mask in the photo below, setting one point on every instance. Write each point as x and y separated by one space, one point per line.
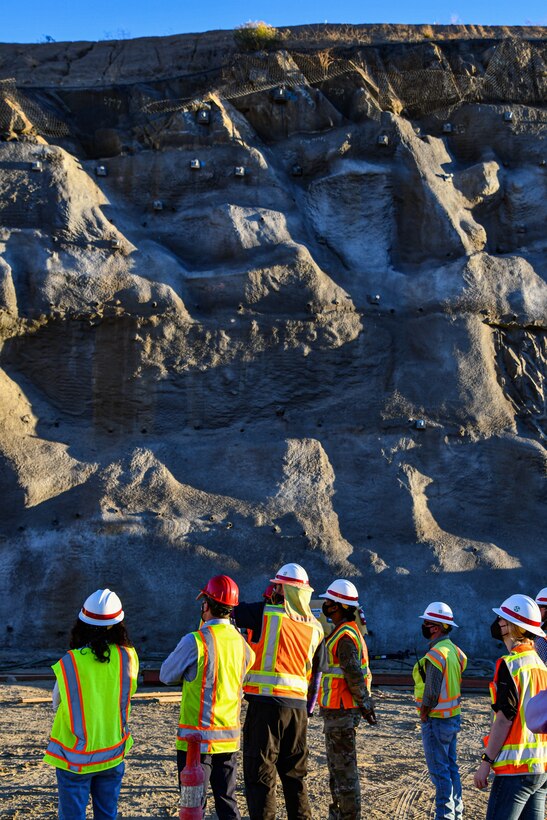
495 630
327 609
426 631
276 599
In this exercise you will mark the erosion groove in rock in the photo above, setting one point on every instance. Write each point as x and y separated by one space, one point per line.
285 306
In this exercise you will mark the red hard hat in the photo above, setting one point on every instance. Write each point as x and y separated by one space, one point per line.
222 589
268 592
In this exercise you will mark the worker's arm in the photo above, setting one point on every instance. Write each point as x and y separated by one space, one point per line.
319 665
249 616
55 697
506 707
348 657
498 733
181 663
432 690
540 645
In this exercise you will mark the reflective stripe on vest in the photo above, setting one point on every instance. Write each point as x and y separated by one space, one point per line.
211 703
76 759
523 752
284 655
334 692
451 661
69 745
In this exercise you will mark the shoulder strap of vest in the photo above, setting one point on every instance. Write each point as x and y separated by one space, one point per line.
126 665
71 678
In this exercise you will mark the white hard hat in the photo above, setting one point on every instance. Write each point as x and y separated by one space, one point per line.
522 611
102 608
292 574
439 613
342 592
541 597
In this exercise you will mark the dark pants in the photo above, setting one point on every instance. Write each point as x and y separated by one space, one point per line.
220 770
274 740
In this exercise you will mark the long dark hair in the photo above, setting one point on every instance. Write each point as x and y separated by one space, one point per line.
98 638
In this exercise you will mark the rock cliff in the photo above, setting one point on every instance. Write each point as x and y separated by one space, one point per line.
276 306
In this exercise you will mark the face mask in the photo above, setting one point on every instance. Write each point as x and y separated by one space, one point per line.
495 630
426 631
327 609
276 598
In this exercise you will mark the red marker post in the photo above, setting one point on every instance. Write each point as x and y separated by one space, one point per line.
191 782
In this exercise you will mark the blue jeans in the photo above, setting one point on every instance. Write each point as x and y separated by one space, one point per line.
515 796
104 787
439 736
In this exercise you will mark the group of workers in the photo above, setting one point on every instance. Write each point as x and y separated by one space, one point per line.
280 656
516 747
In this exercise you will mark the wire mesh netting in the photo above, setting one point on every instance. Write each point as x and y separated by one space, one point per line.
20 115
516 72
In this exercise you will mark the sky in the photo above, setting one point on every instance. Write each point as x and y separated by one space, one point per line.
31 21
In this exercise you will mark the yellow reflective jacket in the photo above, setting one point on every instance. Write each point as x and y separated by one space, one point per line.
451 661
90 729
211 702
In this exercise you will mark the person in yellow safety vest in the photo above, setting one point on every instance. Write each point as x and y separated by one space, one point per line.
281 688
517 756
344 697
92 697
211 664
437 692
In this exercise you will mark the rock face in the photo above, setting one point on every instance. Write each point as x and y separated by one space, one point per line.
270 307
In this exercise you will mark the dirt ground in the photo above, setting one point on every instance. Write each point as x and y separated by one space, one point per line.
394 781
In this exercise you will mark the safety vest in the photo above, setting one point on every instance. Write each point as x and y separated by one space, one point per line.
90 730
523 752
284 654
334 692
211 702
451 661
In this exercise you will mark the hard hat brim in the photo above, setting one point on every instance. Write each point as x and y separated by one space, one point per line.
331 597
435 620
103 621
535 630
291 583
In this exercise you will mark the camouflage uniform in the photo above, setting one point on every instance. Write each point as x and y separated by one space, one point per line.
340 738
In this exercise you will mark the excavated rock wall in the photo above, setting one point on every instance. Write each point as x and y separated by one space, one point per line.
337 358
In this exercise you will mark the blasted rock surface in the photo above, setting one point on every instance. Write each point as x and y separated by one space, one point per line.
307 325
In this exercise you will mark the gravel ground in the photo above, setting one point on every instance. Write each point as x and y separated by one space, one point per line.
394 780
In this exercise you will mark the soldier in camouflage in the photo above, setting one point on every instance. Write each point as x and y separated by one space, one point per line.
344 698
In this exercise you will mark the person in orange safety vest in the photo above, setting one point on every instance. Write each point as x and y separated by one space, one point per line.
344 697
281 688
514 753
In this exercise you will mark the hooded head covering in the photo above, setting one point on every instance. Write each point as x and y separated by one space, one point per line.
297 603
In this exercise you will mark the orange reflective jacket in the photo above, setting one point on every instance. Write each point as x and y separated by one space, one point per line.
335 692
284 656
523 752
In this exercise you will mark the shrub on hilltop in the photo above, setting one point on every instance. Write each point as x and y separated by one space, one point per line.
256 36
